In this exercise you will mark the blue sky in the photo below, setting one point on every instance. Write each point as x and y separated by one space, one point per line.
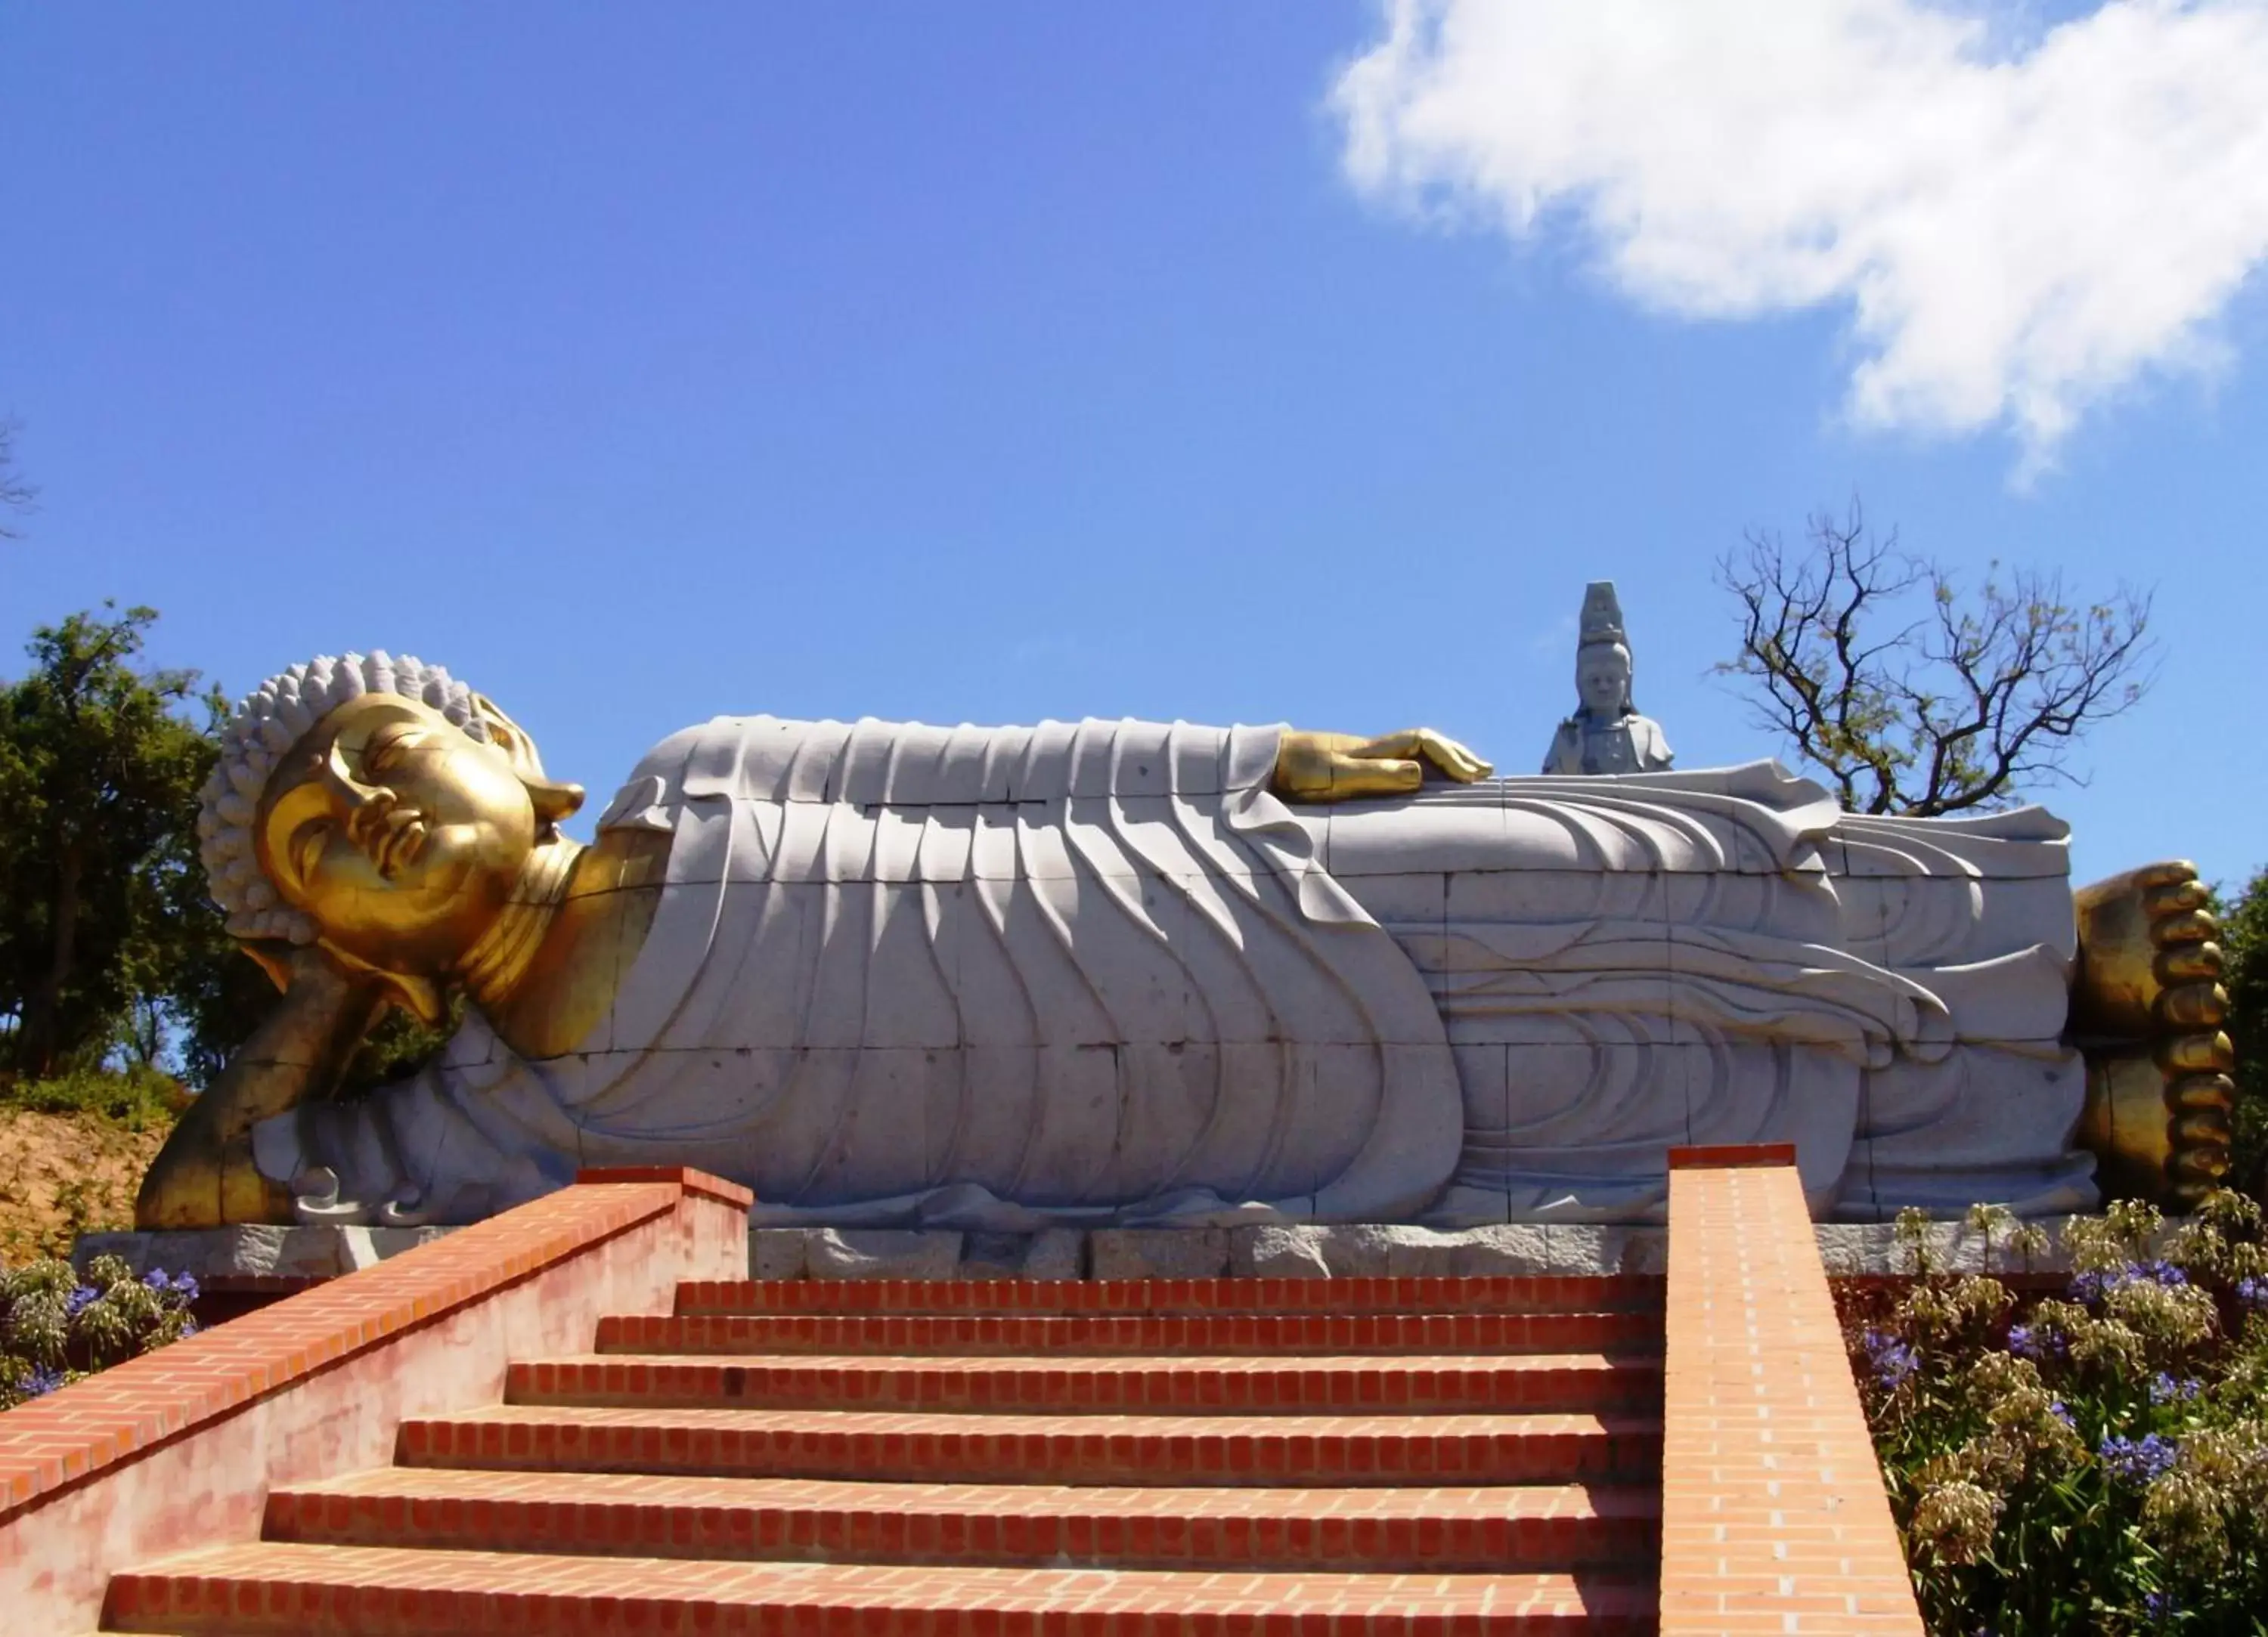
994 363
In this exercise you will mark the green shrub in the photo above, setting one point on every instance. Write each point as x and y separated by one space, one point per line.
2097 1462
56 1328
137 1098
2244 936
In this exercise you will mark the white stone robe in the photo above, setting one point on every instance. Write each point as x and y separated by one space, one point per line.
1623 964
994 978
973 977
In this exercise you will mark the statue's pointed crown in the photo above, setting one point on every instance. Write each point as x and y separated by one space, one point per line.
1602 614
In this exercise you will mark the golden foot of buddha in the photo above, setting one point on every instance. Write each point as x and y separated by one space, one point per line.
2146 1010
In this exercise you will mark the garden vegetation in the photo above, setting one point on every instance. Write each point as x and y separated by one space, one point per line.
2094 1460
56 1326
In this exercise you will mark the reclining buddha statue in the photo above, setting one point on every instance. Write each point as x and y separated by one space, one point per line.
1134 972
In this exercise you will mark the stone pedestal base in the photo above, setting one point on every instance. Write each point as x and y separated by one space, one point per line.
255 1257
220 1257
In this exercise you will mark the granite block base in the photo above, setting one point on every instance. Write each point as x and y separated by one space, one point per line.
251 1257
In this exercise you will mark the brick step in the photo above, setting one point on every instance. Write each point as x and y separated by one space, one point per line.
1275 1334
1477 1530
1273 1451
329 1591
1500 1294
1197 1385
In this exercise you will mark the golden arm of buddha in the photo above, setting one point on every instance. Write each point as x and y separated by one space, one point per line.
408 857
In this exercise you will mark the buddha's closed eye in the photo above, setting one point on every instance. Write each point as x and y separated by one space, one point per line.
386 746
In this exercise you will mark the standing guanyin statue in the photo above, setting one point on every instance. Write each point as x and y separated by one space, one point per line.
1606 734
1127 972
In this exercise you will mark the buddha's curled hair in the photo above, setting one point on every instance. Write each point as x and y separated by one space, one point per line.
268 723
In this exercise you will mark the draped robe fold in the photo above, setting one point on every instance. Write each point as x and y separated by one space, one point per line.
984 977
994 978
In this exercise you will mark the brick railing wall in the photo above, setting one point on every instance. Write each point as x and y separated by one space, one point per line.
1774 1517
178 1447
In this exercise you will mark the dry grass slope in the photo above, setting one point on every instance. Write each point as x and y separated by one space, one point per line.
65 1174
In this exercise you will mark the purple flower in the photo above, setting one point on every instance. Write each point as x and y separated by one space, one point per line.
2139 1463
2029 1341
2061 1411
1893 1360
185 1286
2159 1606
2253 1293
79 1300
2165 1389
2093 1287
41 1382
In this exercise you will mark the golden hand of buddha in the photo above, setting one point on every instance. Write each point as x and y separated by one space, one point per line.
1343 767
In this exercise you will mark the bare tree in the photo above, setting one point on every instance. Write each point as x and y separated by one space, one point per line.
1911 696
15 495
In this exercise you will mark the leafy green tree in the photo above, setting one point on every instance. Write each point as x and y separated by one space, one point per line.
100 769
110 945
1912 697
2244 937
15 495
215 994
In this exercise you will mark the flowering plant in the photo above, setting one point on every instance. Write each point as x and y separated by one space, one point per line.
2092 1462
56 1327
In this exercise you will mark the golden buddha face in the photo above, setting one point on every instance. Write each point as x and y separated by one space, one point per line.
396 833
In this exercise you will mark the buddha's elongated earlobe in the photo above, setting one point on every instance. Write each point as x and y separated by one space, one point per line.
552 799
420 996
416 994
270 960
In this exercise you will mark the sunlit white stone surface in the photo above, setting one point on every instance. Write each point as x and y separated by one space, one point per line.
1096 975
1312 1251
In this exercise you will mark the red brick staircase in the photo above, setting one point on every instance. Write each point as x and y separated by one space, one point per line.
1431 1458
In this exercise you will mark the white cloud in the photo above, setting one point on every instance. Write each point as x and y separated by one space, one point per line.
2020 225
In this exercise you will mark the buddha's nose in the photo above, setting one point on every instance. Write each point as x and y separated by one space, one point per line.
367 814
